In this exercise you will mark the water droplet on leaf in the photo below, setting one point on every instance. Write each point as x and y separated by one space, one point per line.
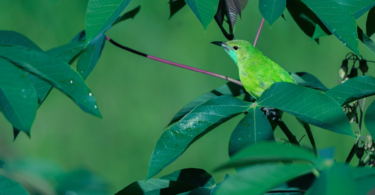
90 94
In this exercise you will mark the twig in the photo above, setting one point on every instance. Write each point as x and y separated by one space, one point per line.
260 28
173 63
288 133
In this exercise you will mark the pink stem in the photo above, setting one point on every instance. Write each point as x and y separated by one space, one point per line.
260 29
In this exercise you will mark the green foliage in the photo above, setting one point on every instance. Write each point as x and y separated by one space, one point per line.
370 119
8 186
271 10
203 10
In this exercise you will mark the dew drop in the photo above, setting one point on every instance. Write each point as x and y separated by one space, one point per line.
188 129
95 106
71 81
90 94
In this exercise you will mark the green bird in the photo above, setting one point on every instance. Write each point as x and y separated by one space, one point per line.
257 72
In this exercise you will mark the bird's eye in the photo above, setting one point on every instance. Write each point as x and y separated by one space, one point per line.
235 47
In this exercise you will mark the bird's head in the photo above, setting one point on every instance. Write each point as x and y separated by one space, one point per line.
237 49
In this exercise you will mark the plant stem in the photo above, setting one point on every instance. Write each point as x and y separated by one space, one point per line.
260 28
173 63
288 133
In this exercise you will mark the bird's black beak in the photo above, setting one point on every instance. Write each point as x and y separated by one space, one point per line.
219 43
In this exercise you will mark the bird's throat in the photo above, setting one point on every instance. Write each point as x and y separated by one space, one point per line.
233 55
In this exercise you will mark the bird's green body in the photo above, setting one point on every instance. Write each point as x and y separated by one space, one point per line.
257 72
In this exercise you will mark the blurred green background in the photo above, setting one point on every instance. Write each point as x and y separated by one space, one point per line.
138 97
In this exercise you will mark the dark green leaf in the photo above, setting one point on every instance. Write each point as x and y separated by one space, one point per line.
336 179
307 105
227 89
318 32
176 139
364 179
130 14
266 152
353 89
18 97
90 56
370 27
17 39
8 187
369 43
253 128
203 10
81 36
338 20
100 15
175 6
68 52
370 119
308 80
56 72
197 177
355 7
271 10
261 178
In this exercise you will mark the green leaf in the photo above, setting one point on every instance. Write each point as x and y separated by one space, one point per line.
307 105
308 80
8 186
90 56
17 39
181 181
355 7
176 139
370 27
338 20
253 128
203 10
175 6
100 15
318 32
364 179
266 152
353 89
271 10
337 179
67 53
259 179
56 72
227 89
18 97
370 119
130 14
369 43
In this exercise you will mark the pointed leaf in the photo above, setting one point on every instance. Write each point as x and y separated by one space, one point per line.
56 72
18 97
370 119
338 20
307 105
355 7
266 152
130 14
68 52
230 89
353 89
90 56
253 128
335 180
175 6
17 39
370 27
259 179
271 10
100 15
369 42
203 10
8 186
176 139
318 32
308 80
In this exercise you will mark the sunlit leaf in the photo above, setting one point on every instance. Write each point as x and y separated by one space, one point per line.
307 105
176 139
308 80
370 119
336 179
8 186
128 15
271 10
18 97
100 15
253 128
259 179
56 72
203 10
266 152
230 89
353 89
338 20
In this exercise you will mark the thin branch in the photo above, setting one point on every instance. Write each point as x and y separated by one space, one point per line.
173 63
288 133
260 28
